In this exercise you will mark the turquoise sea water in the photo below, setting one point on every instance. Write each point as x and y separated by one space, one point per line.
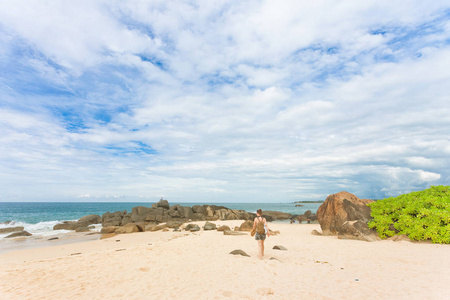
40 217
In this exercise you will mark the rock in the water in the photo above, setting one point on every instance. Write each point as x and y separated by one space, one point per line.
82 229
20 233
279 247
276 215
239 252
315 232
128 228
91 219
246 226
223 228
229 232
346 215
209 226
11 229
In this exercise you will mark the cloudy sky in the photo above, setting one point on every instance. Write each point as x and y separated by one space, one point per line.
222 101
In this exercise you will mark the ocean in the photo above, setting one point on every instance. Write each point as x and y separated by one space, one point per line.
38 218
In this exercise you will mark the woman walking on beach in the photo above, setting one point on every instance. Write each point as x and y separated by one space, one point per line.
261 228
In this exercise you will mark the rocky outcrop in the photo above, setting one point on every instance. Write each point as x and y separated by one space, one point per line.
11 229
346 215
162 212
18 234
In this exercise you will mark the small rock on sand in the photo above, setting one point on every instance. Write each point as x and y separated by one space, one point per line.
229 232
239 252
315 232
279 247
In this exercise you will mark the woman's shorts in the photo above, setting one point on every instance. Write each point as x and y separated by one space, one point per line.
260 237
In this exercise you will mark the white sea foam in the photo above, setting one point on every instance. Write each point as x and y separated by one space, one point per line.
38 229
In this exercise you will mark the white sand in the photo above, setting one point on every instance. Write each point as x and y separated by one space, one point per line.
170 265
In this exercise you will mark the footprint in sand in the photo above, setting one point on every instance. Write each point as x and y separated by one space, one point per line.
227 294
265 291
144 269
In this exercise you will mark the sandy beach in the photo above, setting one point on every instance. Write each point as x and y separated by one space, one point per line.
197 265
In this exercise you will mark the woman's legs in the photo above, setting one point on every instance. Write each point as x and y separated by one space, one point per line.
259 249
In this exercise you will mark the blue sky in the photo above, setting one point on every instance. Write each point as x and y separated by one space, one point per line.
222 101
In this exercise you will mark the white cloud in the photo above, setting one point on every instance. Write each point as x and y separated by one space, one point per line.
222 101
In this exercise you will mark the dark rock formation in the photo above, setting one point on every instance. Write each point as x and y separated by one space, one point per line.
20 233
11 229
162 212
346 215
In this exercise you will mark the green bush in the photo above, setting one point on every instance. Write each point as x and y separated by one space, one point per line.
422 216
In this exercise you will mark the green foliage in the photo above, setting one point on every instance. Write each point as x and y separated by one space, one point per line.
423 215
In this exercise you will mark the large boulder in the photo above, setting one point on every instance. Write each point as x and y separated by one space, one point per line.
110 229
223 228
346 215
163 203
113 219
11 229
199 209
69 225
155 227
174 223
186 212
20 233
128 228
209 226
246 226
91 219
